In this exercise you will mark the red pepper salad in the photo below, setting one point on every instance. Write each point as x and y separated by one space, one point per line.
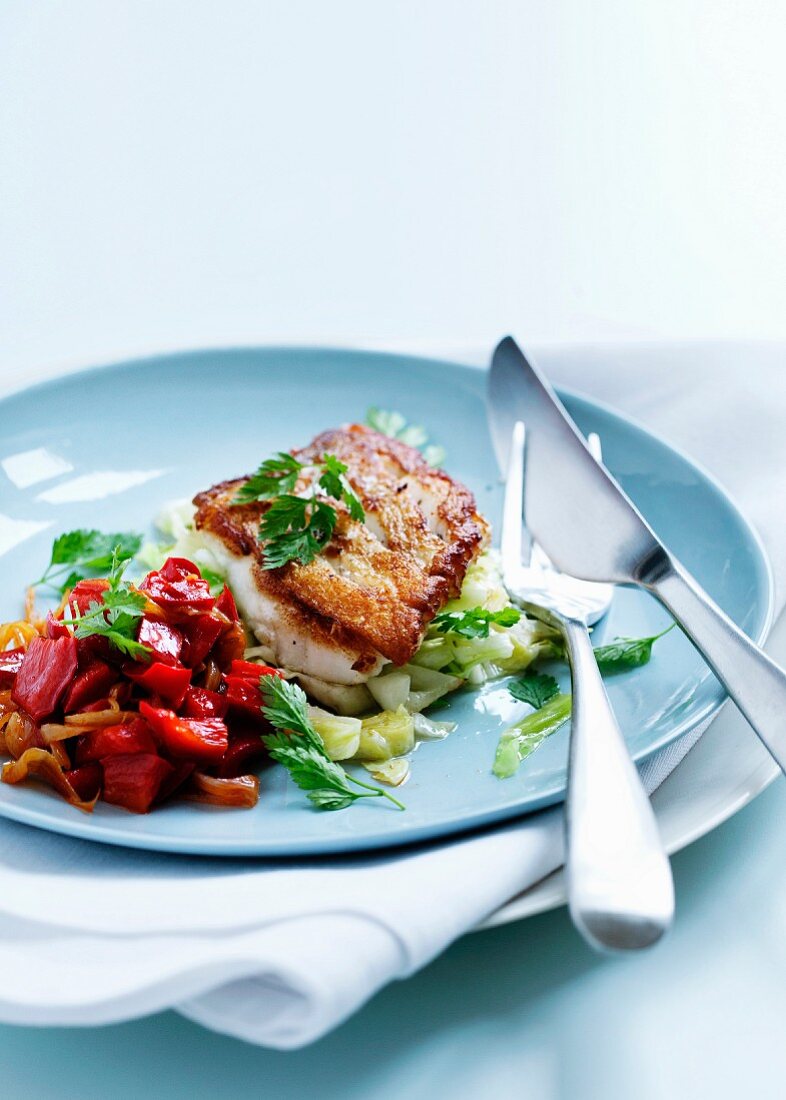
134 694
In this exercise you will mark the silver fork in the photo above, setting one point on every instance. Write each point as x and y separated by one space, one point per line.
619 884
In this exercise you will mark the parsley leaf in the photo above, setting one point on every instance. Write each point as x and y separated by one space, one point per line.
274 476
624 653
334 481
534 689
116 617
298 747
476 622
394 425
80 553
297 528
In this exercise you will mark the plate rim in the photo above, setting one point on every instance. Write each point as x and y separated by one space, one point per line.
205 848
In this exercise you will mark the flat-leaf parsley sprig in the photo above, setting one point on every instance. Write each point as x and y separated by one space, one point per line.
298 528
117 616
81 553
476 622
624 653
299 748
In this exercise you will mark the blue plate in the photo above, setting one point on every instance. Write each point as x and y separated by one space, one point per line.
106 448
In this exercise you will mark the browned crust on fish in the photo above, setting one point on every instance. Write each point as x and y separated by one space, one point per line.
378 584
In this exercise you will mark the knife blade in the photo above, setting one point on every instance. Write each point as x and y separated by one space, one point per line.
591 529
572 502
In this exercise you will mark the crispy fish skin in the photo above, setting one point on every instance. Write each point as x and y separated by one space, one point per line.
369 596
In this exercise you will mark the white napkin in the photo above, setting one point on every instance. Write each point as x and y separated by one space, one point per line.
280 953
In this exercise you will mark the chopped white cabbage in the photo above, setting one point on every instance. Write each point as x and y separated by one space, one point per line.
340 735
426 729
391 733
391 772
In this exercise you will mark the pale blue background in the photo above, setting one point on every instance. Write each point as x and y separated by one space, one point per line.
180 173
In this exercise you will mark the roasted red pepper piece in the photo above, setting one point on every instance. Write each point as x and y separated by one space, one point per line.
87 592
89 684
123 739
243 696
55 628
10 663
252 671
226 605
86 780
201 703
134 781
243 692
95 646
47 670
204 740
241 753
201 633
178 589
164 640
167 681
181 772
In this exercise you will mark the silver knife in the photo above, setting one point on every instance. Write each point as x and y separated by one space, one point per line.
591 529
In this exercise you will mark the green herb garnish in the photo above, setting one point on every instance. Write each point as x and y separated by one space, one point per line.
394 425
534 689
78 554
117 616
275 476
298 528
476 622
299 748
624 653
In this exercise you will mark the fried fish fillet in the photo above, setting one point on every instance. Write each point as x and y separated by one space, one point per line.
367 599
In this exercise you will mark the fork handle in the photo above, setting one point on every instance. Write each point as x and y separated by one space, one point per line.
620 889
756 684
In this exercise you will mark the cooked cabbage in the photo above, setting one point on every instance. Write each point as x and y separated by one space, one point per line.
391 733
340 735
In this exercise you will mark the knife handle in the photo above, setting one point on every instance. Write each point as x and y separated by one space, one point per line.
619 884
755 683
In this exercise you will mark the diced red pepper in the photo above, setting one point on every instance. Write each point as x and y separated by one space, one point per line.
123 739
55 628
180 773
178 569
201 703
251 670
47 670
226 605
165 641
97 704
241 753
89 684
243 692
86 780
10 663
134 781
170 682
201 633
178 589
87 592
203 739
95 646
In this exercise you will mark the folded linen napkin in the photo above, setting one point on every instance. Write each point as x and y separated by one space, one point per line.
279 953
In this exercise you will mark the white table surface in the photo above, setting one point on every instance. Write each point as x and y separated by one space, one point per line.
176 174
